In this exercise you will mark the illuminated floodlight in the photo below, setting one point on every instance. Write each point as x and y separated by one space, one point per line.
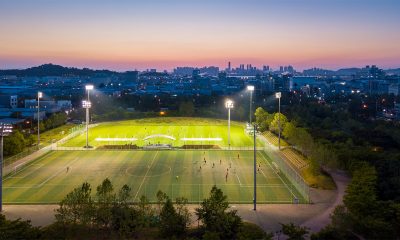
89 87
229 104
5 129
250 87
86 104
40 94
278 95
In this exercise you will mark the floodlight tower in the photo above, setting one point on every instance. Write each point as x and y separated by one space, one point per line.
87 105
5 130
229 105
250 88
39 96
278 95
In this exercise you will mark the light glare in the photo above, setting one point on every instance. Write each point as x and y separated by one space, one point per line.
250 87
229 104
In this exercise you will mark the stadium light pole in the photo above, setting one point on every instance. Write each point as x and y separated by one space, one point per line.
251 89
87 105
255 166
278 95
5 130
39 96
229 106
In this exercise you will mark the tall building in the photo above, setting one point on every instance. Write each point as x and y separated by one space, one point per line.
229 66
265 68
196 73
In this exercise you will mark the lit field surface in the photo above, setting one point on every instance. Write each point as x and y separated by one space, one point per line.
215 132
178 173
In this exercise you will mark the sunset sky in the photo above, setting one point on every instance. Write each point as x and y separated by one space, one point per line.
163 34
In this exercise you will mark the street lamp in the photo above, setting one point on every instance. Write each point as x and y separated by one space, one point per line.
278 95
251 89
229 105
39 96
255 166
5 130
87 105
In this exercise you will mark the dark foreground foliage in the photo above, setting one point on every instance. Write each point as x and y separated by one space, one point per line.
110 214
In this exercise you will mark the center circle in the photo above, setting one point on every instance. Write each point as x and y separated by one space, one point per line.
148 170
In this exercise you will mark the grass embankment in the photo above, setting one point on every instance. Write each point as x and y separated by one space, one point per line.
321 180
46 138
273 139
55 134
316 179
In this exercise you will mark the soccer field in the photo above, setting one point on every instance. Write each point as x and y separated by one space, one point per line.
154 131
189 174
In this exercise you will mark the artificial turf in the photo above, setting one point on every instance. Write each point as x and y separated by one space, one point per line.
178 173
177 128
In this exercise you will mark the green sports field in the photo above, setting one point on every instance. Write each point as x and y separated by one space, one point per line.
178 173
148 131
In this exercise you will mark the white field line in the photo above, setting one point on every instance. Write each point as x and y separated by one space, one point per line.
22 169
144 178
228 184
264 186
45 181
288 188
237 176
55 174
21 187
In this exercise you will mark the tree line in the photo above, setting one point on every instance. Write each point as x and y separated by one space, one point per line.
19 140
368 149
315 151
112 214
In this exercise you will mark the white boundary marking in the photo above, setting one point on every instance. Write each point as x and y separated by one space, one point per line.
144 178
44 181
55 174
238 179
156 175
115 139
278 176
202 139
15 172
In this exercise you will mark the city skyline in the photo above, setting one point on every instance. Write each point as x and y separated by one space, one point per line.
157 34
